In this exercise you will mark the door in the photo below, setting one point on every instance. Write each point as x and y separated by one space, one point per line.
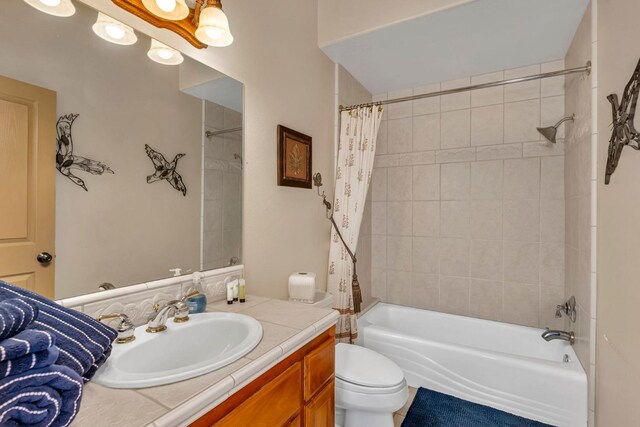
27 185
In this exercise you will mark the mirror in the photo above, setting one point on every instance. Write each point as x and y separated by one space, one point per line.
140 189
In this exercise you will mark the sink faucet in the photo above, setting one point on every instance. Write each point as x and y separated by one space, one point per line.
158 320
550 335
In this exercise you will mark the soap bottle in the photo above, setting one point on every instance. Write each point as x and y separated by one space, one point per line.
196 299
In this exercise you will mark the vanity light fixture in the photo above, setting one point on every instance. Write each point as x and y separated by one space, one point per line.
172 10
163 54
62 8
114 31
213 25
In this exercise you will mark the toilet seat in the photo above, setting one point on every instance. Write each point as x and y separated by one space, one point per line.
357 388
365 371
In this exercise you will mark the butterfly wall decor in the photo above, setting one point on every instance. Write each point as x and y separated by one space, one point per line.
165 170
624 131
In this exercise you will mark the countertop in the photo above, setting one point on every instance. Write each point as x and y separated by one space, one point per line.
286 327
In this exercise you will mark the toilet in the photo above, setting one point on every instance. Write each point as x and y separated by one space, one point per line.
369 387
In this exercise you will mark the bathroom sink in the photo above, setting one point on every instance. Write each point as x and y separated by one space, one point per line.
208 341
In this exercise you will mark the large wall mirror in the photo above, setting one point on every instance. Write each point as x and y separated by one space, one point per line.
149 157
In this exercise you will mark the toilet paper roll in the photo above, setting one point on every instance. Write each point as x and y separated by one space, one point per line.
302 287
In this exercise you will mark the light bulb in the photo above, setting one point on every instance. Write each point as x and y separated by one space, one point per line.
115 32
167 5
50 3
165 54
214 33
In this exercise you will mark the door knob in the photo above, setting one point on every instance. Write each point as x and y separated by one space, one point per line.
44 257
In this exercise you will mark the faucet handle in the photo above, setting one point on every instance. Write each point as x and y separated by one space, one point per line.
182 312
126 329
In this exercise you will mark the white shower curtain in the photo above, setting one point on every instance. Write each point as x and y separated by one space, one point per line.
356 151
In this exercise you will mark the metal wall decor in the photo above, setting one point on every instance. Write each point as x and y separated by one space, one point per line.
165 170
624 132
66 161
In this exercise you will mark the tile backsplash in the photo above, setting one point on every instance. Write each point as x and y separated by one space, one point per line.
137 301
467 200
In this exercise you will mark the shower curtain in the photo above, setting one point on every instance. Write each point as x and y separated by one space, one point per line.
356 150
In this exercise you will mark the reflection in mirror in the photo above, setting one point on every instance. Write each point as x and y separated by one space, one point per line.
139 189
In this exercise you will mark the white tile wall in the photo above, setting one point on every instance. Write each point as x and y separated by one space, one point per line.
468 200
222 188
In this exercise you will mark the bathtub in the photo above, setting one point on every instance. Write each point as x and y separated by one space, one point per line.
504 366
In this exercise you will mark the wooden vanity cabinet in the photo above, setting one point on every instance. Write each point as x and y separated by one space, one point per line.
297 392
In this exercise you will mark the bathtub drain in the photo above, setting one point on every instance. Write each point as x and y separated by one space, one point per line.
566 358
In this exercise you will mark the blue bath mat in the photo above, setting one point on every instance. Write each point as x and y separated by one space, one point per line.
433 409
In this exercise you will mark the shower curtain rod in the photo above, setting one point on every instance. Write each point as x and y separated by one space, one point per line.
585 69
209 134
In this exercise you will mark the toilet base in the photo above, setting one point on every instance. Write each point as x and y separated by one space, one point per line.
355 418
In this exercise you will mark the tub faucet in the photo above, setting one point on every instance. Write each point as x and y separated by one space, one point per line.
158 320
550 335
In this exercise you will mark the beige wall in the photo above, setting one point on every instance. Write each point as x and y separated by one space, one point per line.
112 232
288 81
580 220
468 201
618 345
339 19
349 91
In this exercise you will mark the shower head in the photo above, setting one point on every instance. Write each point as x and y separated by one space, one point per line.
550 132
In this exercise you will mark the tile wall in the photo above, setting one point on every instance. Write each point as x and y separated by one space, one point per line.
467 200
222 188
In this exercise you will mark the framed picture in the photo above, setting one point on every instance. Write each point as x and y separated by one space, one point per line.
294 158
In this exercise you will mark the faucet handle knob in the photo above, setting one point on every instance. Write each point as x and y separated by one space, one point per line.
559 309
126 329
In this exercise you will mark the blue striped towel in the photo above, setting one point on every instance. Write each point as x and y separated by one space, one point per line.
30 349
15 316
83 342
41 397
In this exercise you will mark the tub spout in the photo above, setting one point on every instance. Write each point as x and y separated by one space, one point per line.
550 335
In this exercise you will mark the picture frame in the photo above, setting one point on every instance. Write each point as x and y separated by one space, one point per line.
294 158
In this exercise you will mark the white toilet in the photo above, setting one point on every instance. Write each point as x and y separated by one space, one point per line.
369 388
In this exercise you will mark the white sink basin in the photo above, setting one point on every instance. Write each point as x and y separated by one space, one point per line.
208 341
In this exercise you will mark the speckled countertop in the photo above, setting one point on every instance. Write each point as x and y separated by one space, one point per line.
286 328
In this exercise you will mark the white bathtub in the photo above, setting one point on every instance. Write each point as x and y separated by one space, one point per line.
504 366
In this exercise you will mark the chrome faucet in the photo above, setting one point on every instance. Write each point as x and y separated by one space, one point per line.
158 320
550 335
126 328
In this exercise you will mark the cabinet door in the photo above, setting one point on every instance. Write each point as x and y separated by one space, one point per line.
273 405
296 422
319 412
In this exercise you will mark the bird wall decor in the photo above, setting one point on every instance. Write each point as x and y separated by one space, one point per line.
624 131
165 170
66 161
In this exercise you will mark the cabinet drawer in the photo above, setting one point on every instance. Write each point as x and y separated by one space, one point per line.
319 367
273 405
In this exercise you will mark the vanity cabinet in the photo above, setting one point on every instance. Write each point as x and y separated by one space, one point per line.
297 392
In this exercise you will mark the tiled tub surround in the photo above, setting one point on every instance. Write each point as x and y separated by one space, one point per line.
468 200
222 188
286 327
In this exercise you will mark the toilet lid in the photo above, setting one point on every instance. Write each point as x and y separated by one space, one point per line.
359 365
